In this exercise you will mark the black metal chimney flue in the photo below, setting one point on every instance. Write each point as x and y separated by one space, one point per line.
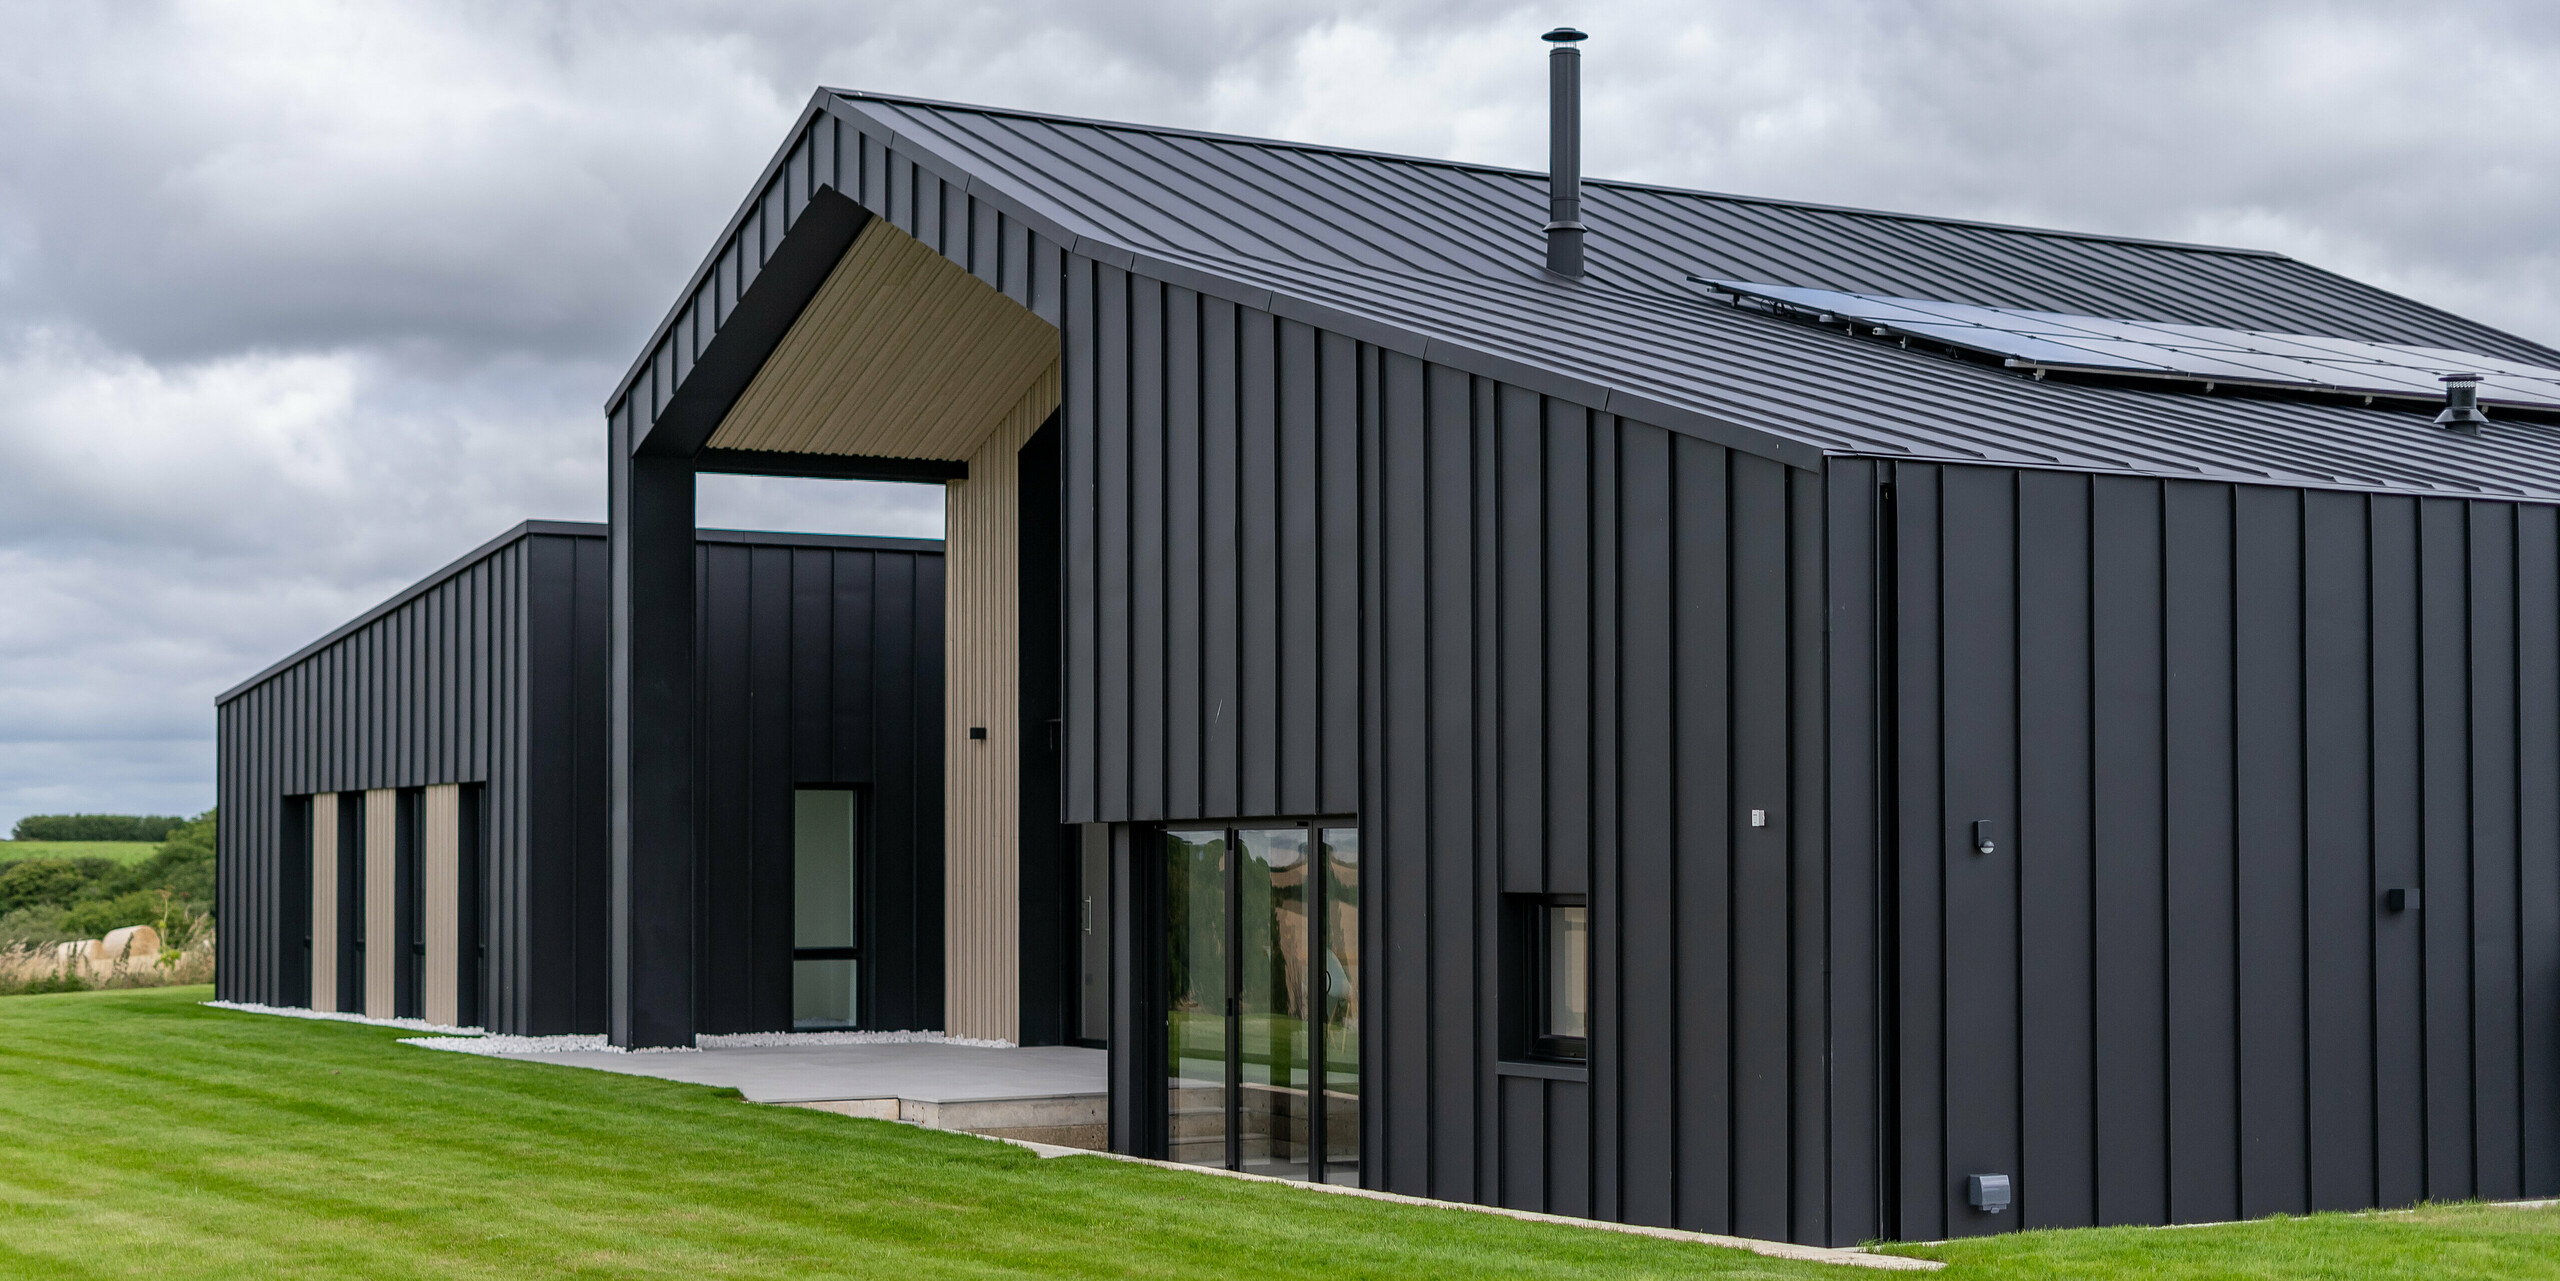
1564 152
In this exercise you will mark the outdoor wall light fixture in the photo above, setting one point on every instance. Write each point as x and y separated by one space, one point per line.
1982 837
2405 900
1988 1193
977 731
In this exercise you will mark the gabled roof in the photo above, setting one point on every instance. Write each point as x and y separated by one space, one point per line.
1444 257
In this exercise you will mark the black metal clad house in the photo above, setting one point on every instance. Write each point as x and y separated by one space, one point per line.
2140 791
488 678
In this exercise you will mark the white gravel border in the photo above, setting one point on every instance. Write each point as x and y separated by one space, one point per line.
333 1016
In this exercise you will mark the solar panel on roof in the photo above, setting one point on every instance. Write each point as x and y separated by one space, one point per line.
2045 340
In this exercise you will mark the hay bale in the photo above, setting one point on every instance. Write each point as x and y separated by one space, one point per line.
142 940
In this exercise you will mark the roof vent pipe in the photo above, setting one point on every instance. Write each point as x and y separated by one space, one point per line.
1564 152
2461 404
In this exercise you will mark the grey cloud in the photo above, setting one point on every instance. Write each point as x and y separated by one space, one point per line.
297 304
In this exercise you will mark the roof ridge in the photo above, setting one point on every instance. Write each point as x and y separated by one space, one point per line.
1621 184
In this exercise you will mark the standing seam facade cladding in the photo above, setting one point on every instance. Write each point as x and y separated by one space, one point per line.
2211 724
1711 621
1571 649
494 672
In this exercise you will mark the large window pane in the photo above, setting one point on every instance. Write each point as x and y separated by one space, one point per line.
1195 904
1339 1005
1271 1005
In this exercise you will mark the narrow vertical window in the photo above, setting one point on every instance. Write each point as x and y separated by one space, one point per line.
1564 988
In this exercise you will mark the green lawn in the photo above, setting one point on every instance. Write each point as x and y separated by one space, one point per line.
147 1136
2471 1241
127 852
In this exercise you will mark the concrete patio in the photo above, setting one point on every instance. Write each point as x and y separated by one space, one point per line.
1045 1094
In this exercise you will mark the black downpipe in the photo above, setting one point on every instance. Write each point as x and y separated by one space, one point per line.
1564 152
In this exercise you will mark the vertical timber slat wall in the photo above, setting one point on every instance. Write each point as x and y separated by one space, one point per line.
324 903
440 883
2226 721
381 894
982 819
506 688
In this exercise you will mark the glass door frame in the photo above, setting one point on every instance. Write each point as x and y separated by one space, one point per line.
1319 905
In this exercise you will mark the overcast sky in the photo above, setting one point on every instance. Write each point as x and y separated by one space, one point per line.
298 302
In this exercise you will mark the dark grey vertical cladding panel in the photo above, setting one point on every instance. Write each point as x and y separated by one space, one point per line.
1568 1145
1807 839
2058 1101
1337 546
1448 680
1186 506
1571 518
903 924
1113 506
1648 946
1485 877
1221 666
2538 844
1147 494
1258 564
1921 1147
589 826
1759 919
1978 697
1520 737
1852 709
813 635
2498 1107
2444 730
1400 814
2269 875
2338 900
1077 460
1605 848
2197 631
1524 1144
724 787
549 953
1300 614
2399 1010
766 1003
862 638
1379 1051
1701 574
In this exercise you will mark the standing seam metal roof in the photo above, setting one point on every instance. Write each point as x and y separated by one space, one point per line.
1451 253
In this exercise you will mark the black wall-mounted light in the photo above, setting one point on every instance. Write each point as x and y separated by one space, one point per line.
977 731
1982 842
2400 900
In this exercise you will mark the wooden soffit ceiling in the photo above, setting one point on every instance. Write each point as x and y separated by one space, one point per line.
902 354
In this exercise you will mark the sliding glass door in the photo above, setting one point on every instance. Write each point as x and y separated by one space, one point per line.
1263 1021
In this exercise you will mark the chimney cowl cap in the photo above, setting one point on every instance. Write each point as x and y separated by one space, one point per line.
1563 35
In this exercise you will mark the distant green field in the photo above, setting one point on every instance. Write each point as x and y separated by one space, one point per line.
120 851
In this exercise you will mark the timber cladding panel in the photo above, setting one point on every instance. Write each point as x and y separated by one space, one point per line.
381 899
440 887
982 816
1536 649
2213 725
902 354
323 925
